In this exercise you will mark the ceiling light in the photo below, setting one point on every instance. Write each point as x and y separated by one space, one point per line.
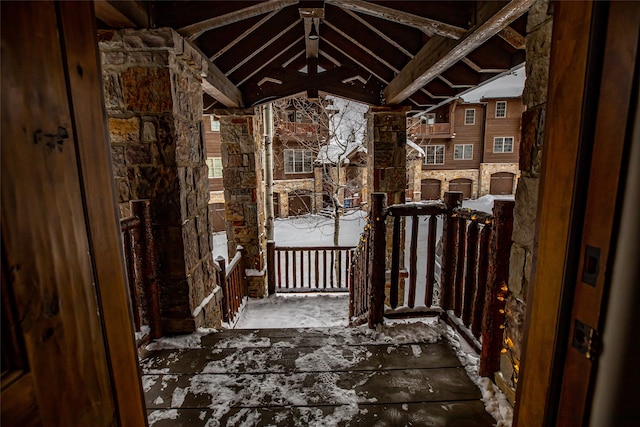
313 34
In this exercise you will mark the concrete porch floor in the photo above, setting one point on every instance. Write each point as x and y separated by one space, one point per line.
299 377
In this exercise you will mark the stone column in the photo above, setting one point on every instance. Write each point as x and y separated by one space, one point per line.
538 45
153 95
243 192
387 167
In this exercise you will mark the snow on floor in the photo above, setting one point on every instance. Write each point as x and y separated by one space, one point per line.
295 311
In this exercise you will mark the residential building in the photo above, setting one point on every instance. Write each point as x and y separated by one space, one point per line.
468 147
214 163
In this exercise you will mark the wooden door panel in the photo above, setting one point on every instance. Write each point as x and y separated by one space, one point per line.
599 226
44 231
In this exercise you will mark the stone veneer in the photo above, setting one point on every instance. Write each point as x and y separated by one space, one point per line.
283 187
538 45
153 97
387 168
243 193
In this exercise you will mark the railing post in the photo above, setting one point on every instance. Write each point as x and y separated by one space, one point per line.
449 249
377 263
222 279
271 266
142 210
497 287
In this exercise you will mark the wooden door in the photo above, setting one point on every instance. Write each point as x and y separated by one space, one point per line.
68 353
599 230
501 183
463 185
299 203
430 189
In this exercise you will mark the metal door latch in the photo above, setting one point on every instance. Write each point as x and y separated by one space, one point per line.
585 339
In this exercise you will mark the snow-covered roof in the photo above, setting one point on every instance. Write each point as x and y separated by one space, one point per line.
508 86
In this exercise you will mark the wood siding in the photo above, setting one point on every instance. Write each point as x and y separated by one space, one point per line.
464 134
212 140
500 127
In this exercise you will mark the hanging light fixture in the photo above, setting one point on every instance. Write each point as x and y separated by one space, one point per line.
313 34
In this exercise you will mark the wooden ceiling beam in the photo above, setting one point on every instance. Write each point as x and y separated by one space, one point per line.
378 32
438 54
194 30
216 84
428 26
512 37
243 35
122 14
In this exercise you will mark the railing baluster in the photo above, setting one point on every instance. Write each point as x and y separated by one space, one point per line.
302 269
449 247
279 270
483 261
332 268
461 247
324 269
286 267
317 268
431 261
395 263
470 282
309 267
413 258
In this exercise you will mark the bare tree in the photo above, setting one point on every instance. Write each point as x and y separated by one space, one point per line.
331 130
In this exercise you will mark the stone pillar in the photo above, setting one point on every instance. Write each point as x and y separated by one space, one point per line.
243 192
538 45
387 167
153 95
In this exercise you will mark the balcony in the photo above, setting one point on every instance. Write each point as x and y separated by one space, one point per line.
298 129
421 130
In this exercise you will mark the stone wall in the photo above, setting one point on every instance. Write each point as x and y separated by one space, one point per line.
153 97
387 169
538 43
243 192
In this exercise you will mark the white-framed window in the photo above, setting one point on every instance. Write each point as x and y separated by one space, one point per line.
298 161
215 124
434 155
470 116
463 152
501 109
503 144
215 167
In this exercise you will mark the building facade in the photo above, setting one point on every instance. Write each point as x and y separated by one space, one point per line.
467 147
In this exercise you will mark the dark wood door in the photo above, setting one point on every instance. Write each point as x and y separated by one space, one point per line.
501 183
463 185
299 203
216 211
430 189
63 285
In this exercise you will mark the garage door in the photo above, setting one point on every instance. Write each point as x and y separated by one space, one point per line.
430 189
463 185
216 213
299 203
501 183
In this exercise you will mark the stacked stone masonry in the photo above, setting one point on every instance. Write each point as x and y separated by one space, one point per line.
538 47
243 193
153 97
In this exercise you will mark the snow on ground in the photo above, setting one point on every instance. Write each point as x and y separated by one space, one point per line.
299 310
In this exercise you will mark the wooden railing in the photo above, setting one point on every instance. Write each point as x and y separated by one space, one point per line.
472 289
141 265
309 268
233 281
427 129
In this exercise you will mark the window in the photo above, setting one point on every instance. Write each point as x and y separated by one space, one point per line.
215 167
501 109
215 124
503 144
470 116
463 152
434 155
298 161
299 116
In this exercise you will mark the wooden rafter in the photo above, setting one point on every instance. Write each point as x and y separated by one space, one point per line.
121 14
194 30
438 54
217 85
243 35
267 64
428 26
379 33
512 37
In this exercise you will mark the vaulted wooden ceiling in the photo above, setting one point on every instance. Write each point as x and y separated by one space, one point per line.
416 53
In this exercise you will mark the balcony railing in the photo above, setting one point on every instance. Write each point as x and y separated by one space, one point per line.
233 281
301 129
423 129
469 293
